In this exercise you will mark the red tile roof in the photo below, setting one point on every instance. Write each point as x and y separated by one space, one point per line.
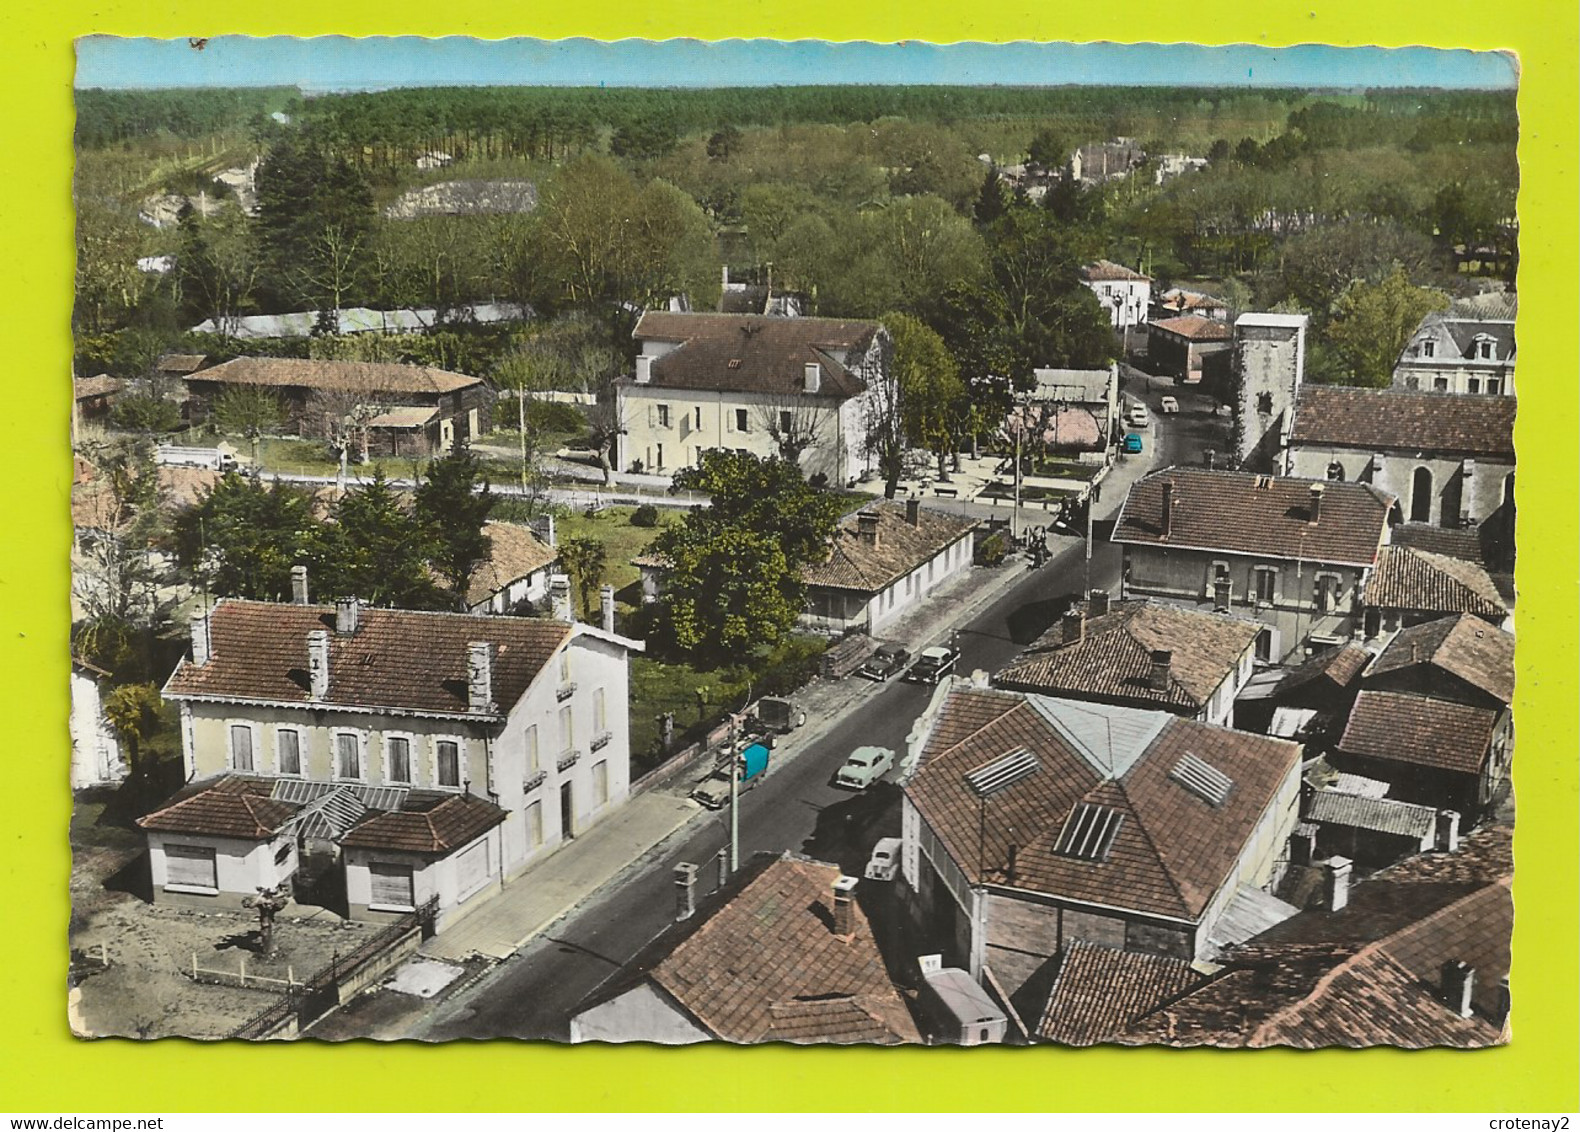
757 354
427 826
1100 991
1340 667
99 386
1422 582
1113 659
1463 646
1173 850
854 564
365 378
397 660
768 967
1107 271
514 553
1402 419
1196 328
229 807
1266 516
1419 730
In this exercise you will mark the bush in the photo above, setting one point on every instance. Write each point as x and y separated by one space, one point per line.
544 416
645 516
139 413
991 550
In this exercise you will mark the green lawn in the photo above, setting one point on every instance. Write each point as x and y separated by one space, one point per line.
622 541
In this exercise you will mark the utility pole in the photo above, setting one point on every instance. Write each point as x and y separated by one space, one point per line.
735 795
1020 429
1093 494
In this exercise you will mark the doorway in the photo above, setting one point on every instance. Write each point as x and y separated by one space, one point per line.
567 812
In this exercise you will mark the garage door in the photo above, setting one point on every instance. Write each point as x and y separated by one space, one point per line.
191 865
392 886
472 869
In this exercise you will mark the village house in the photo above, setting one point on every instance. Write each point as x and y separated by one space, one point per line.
785 955
1305 702
1125 294
1099 992
394 409
517 571
1294 554
1450 460
1190 348
1414 956
95 750
1097 162
1268 370
1177 301
1140 654
1063 395
1031 822
1468 348
882 563
392 743
1411 586
92 400
757 385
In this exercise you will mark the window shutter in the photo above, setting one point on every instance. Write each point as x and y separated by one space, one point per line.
472 869
190 865
392 885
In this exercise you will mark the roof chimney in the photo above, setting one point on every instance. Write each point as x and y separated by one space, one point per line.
644 369
867 527
1168 507
560 597
1074 626
606 606
1336 882
1446 839
813 377
543 529
1158 678
202 641
1459 984
318 663
844 901
913 511
1316 502
299 585
1097 603
1009 863
480 676
348 615
685 890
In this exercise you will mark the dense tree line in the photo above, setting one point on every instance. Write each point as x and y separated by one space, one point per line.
108 117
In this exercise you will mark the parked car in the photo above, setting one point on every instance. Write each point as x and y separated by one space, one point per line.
864 767
781 716
1168 405
1138 416
888 661
932 665
1132 443
885 860
713 792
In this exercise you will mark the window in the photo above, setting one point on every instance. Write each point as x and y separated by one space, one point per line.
1473 385
471 870
1440 385
1264 402
535 825
663 416
1421 496
1484 350
348 756
785 422
532 749
741 423
1494 385
1264 645
391 886
699 418
399 769
565 667
598 711
1429 349
447 762
1264 582
288 751
1219 587
1327 595
600 777
567 731
1336 472
190 866
240 747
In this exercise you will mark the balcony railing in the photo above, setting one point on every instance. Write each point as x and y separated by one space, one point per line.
601 741
534 781
565 691
567 760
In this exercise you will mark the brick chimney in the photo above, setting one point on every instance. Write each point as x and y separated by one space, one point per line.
1009 863
1073 625
1459 985
867 527
480 676
606 607
1446 839
560 597
1314 508
913 511
812 377
318 663
1158 675
1097 603
202 640
348 615
543 529
1336 882
844 906
685 891
1168 507
299 585
644 369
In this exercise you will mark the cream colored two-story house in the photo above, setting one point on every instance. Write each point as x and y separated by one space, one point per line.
1294 554
426 754
749 383
1460 351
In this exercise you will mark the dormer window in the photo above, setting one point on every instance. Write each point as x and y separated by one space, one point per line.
1484 349
1428 349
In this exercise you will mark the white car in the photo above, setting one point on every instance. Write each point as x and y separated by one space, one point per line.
1169 405
1138 416
885 860
864 767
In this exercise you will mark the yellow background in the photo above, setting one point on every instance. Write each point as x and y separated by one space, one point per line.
43 1069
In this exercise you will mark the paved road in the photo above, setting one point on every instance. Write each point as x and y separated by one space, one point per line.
532 994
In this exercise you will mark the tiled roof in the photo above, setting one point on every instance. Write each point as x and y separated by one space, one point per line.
1454 542
364 378
1173 850
1268 516
1177 298
855 564
767 966
756 354
1100 991
99 386
1383 815
1463 646
1340 666
1501 306
228 807
411 416
1196 328
1404 728
397 659
514 553
428 824
1465 331
181 363
1113 658
1107 271
1403 419
1417 580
